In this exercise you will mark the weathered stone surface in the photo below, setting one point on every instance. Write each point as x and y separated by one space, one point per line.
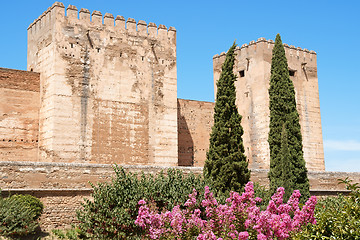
108 93
253 64
19 115
195 119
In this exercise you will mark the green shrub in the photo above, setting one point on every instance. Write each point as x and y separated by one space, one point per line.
336 217
31 202
18 215
71 234
114 208
263 193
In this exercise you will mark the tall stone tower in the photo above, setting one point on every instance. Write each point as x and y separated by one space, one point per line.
253 64
108 88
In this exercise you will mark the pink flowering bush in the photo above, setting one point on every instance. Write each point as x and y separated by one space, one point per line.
239 218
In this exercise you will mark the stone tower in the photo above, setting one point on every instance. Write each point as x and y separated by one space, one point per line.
108 88
253 64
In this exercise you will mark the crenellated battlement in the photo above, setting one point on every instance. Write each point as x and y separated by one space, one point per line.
270 42
96 18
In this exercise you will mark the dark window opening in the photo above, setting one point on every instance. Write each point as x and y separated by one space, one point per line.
31 70
242 73
71 45
142 58
162 61
120 54
291 73
98 50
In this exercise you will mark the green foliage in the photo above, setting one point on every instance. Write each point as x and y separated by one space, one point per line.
71 234
336 217
114 208
226 165
287 164
18 215
264 194
31 202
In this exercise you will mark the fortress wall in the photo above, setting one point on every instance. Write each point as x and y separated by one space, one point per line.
19 112
195 119
252 66
108 88
62 186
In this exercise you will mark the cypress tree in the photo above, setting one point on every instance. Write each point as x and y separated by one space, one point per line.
287 164
226 164
287 178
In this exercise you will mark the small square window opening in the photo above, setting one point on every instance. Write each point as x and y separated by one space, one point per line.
242 73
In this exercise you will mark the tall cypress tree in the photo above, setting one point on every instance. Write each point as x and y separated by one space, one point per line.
287 179
226 165
286 152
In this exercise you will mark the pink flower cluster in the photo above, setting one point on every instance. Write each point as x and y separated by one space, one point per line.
239 218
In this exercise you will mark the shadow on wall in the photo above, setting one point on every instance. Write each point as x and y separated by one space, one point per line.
185 141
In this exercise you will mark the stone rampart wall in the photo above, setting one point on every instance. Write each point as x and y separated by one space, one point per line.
195 119
62 186
19 115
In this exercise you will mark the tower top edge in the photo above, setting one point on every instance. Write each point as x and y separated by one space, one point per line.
269 41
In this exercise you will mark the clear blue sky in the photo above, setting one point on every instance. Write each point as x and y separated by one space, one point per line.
205 28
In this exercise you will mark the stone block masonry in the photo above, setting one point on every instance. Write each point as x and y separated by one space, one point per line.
19 115
108 88
195 119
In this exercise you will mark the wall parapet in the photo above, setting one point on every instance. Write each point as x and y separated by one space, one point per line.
260 40
77 175
96 165
107 20
39 192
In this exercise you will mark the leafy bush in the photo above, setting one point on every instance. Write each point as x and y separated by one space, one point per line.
239 218
71 234
18 215
114 208
337 217
31 202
